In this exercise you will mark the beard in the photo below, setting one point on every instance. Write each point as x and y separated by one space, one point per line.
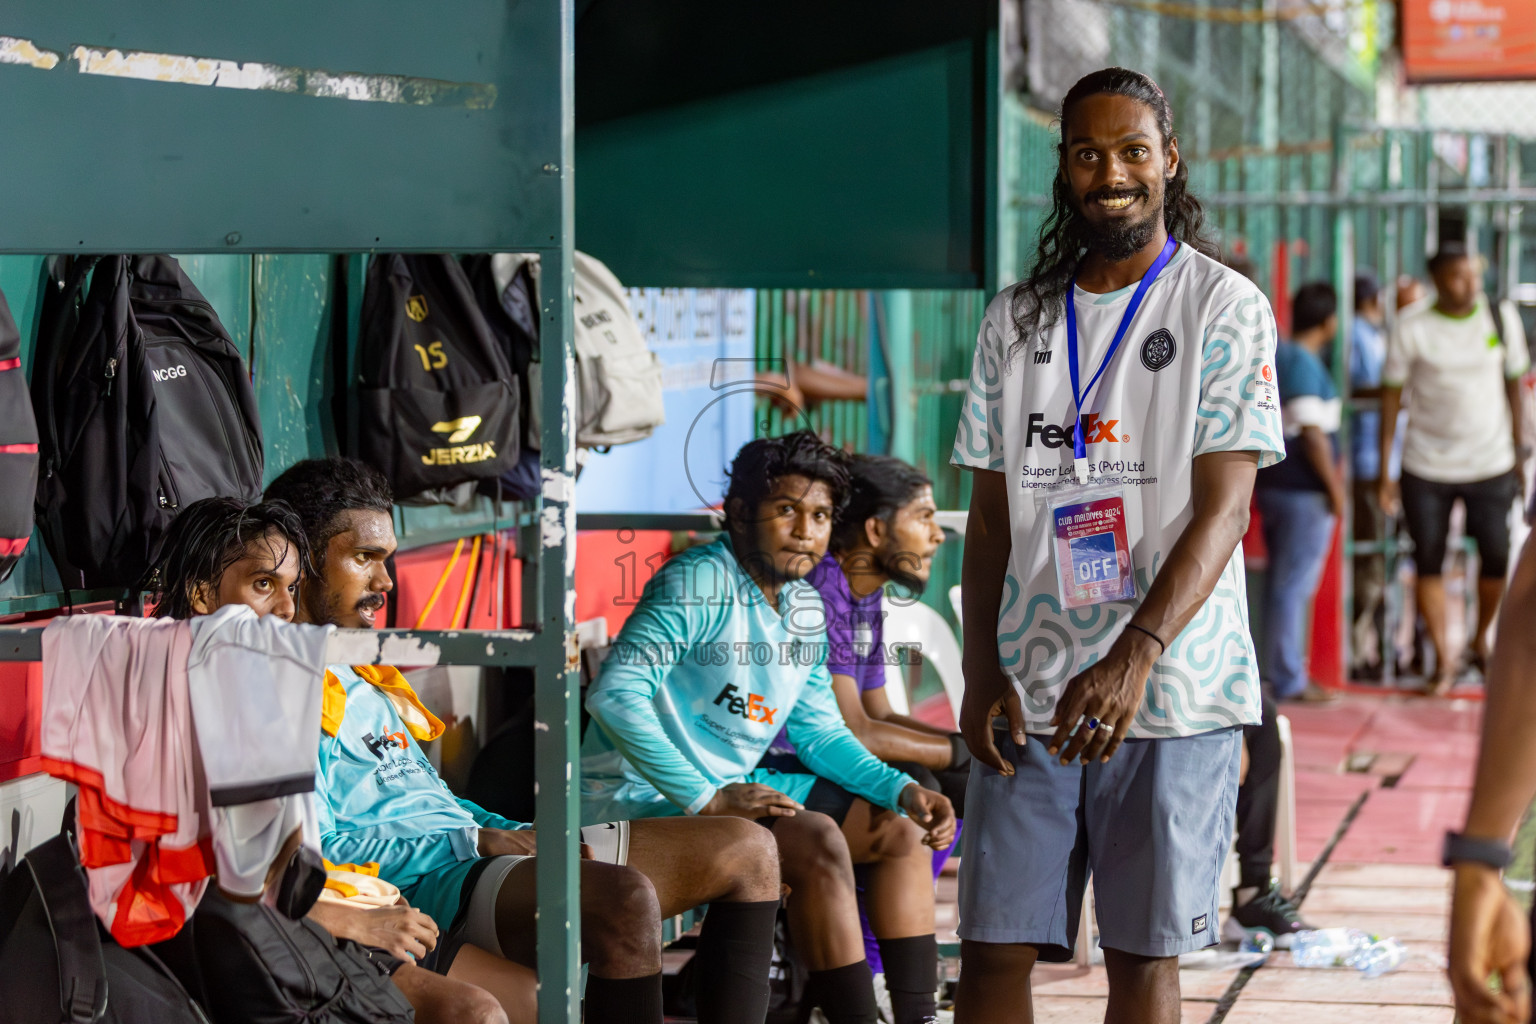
900 568
1118 241
325 607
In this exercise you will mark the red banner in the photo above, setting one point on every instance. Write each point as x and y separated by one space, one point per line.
1469 40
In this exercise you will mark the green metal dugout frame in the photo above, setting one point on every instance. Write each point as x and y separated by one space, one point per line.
792 145
352 126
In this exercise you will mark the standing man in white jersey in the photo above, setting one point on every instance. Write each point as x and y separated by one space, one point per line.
1121 401
1459 361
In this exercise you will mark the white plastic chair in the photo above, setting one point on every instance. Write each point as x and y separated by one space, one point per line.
1285 813
1286 866
896 689
915 625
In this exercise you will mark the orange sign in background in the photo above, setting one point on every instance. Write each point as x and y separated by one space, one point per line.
1469 40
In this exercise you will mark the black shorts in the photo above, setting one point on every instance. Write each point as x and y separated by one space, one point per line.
1427 513
451 939
827 797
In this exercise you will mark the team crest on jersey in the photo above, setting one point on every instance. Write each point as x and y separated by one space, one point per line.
1158 350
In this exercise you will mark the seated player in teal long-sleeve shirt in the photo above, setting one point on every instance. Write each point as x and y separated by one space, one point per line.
473 871
726 648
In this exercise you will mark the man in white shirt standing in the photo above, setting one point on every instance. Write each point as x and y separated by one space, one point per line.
1122 399
1460 365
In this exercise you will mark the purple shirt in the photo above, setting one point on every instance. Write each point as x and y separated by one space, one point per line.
854 633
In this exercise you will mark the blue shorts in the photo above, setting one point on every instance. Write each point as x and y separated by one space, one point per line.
1152 827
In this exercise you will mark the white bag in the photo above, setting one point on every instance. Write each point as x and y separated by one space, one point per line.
618 378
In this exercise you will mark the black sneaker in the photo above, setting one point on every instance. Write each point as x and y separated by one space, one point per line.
1268 910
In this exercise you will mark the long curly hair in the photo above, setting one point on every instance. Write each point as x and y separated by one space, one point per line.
1040 300
761 462
208 537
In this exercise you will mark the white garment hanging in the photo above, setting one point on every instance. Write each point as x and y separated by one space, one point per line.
256 686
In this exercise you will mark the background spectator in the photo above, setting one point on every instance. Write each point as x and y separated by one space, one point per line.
1460 365
1301 498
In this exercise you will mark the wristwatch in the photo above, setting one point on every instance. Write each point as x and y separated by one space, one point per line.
1460 849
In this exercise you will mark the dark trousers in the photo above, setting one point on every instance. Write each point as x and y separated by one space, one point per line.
1258 799
1370 579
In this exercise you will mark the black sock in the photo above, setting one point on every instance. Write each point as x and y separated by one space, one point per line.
1254 876
845 994
624 1000
912 977
732 964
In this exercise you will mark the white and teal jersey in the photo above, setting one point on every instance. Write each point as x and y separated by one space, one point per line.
1194 375
701 679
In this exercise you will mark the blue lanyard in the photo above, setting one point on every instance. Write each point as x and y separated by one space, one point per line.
1080 394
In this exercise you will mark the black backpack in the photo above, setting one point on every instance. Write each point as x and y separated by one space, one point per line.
57 964
438 403
144 406
18 448
251 964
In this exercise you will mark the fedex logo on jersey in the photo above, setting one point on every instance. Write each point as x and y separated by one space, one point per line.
752 708
1095 431
378 744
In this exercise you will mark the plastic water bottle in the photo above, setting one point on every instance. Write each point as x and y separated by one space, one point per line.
1258 940
1327 947
1378 958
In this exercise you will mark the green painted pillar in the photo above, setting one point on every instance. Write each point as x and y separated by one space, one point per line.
1344 285
898 324
556 695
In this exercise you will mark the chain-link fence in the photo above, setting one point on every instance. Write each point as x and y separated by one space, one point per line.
1498 107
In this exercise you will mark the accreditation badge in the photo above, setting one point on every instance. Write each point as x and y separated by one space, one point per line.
1091 546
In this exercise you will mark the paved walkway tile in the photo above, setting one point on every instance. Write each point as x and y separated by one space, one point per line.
1388 851
1440 772
1376 899
1414 812
1417 988
1342 786
1346 717
1320 753
1268 1011
1320 818
1391 876
1071 980
1089 1009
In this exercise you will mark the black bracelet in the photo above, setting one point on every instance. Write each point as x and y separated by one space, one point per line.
1460 849
959 753
1142 629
